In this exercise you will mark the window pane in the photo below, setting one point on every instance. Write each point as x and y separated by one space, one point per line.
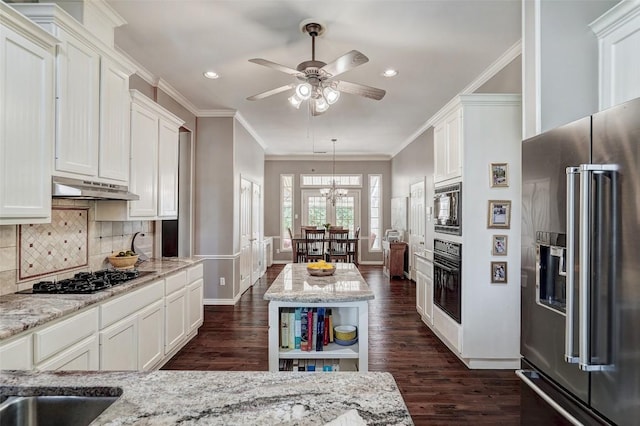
375 212
286 214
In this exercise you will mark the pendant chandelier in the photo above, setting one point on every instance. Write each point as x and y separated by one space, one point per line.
333 193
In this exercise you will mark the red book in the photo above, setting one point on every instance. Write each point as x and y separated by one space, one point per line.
311 329
326 329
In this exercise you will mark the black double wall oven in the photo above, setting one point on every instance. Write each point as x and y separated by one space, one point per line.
447 277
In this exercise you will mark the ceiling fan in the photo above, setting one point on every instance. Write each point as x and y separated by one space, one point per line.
319 83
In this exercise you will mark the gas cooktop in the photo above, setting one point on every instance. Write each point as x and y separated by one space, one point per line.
86 282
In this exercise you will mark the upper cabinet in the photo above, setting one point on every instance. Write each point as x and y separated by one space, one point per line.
618 32
92 100
27 127
153 166
447 147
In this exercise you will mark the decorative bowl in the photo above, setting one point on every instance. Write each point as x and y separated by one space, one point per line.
345 332
345 342
123 262
325 272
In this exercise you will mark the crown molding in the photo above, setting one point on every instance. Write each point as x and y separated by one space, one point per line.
216 113
108 13
250 129
177 96
140 70
505 59
15 20
615 17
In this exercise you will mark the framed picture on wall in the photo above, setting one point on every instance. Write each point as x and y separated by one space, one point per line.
499 174
499 272
499 245
499 214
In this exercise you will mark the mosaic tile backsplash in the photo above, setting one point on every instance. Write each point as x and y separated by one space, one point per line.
56 246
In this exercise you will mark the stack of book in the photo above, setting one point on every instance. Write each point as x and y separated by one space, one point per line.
309 365
306 329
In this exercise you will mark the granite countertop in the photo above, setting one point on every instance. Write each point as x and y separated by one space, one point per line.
294 284
226 398
20 312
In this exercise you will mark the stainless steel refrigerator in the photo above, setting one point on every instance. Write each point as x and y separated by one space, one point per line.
580 332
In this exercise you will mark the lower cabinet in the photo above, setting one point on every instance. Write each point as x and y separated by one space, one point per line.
119 345
150 336
195 312
175 320
421 283
81 356
424 289
17 354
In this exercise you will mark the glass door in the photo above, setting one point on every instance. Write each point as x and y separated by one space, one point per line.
317 210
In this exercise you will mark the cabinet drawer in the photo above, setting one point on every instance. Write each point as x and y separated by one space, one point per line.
130 303
194 273
17 354
175 282
57 337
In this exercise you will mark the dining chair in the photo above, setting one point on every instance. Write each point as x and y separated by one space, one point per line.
352 251
297 247
338 245
314 245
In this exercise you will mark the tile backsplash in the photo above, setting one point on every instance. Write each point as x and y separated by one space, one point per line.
103 239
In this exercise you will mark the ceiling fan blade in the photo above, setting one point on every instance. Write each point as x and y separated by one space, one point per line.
345 63
271 92
361 90
275 66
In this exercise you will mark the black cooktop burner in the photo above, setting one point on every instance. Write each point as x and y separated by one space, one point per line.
86 282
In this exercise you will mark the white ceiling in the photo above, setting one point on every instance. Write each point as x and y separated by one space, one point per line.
439 47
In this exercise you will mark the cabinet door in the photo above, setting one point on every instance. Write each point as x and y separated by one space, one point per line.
167 170
17 355
195 308
175 319
420 291
115 140
77 93
440 153
82 356
150 336
119 345
454 145
428 300
26 130
144 162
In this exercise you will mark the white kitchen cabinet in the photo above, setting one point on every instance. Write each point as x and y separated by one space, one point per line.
27 128
119 345
424 289
78 108
195 308
17 354
447 147
421 283
153 173
54 338
92 109
151 336
115 140
618 32
81 356
144 161
175 319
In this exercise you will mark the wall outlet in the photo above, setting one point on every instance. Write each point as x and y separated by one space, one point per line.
222 281
277 251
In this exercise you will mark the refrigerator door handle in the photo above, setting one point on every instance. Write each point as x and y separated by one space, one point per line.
569 351
525 375
586 178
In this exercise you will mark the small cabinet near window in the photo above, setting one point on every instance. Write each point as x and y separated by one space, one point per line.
27 126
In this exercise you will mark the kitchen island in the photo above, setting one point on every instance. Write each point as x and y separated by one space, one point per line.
345 292
225 398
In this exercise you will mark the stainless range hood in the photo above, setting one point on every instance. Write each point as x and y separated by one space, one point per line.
81 189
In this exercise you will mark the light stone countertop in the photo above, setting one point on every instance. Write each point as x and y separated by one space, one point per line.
294 284
21 312
224 398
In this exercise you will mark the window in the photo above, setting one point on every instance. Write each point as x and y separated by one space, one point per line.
317 210
350 181
375 212
286 214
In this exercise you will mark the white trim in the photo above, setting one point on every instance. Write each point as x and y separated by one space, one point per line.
205 113
218 256
141 99
233 301
177 96
615 17
19 23
250 129
108 13
380 209
505 59
327 157
293 210
371 262
537 71
140 70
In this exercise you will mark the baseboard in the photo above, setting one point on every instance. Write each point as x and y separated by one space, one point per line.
370 262
221 301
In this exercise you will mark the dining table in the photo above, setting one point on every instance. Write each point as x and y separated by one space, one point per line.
298 243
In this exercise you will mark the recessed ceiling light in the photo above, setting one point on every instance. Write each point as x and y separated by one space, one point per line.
390 73
211 74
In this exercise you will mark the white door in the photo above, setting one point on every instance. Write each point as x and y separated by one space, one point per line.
417 221
245 234
168 154
119 345
317 210
143 179
256 264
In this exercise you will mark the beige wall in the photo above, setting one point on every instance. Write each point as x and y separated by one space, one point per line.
274 168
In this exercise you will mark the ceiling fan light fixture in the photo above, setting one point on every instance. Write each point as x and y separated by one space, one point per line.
295 100
331 95
304 90
321 104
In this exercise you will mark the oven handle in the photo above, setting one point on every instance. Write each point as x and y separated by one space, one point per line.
441 266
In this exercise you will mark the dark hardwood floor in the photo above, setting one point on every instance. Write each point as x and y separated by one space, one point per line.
437 388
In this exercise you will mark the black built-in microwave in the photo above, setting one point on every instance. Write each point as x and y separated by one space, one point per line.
447 209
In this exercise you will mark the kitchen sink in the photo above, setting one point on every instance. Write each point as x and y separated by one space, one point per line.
52 410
